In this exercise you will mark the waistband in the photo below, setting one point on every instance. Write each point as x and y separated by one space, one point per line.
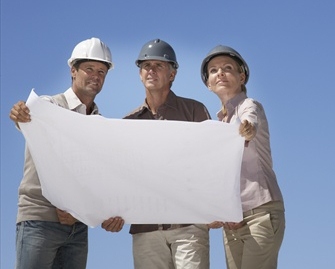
144 228
165 227
273 205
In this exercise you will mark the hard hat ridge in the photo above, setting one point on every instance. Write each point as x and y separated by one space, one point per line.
157 49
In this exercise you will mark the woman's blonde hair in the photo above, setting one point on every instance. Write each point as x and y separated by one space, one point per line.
241 70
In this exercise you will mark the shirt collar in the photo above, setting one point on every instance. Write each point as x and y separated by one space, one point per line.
75 104
171 101
231 105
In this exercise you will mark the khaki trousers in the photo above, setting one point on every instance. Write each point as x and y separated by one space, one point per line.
256 244
186 248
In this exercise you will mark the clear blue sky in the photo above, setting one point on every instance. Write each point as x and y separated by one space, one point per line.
289 46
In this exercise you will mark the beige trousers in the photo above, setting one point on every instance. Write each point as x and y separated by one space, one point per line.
256 245
186 248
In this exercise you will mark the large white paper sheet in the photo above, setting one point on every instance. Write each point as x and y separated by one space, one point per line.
145 171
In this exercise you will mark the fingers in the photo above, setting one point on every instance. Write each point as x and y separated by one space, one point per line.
113 224
233 225
20 112
229 225
226 225
247 130
215 225
65 218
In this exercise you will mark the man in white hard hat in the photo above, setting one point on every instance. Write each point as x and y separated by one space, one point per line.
46 236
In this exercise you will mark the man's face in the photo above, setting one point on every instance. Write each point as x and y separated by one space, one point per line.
156 75
89 78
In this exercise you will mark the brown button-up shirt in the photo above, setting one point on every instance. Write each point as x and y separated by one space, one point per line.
175 108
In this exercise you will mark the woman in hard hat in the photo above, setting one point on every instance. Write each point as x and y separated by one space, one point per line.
256 240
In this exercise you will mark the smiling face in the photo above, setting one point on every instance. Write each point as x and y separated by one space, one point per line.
225 77
88 78
157 75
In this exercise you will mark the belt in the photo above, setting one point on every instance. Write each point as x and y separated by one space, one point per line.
267 207
165 227
253 212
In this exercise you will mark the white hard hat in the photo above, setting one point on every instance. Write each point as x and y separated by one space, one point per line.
91 49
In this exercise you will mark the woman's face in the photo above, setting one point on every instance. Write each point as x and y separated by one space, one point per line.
225 77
